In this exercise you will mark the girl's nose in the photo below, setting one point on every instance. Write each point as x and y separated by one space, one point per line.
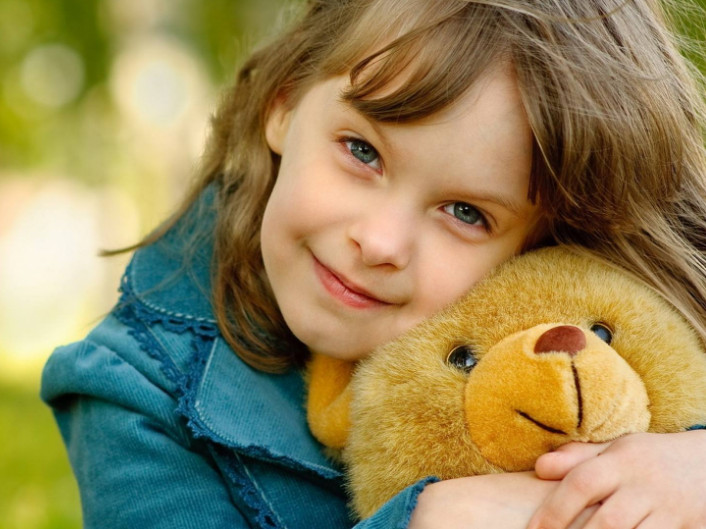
384 236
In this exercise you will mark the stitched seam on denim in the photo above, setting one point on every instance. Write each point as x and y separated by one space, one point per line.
180 315
177 322
201 429
261 493
236 472
125 287
187 403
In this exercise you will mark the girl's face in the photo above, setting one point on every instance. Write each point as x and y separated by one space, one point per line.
373 227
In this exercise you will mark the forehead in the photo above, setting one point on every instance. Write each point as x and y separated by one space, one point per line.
493 97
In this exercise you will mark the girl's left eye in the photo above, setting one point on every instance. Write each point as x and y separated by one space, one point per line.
466 213
363 152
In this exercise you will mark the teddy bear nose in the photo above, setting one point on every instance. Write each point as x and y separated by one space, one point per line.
562 339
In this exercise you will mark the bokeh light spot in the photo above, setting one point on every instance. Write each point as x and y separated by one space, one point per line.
52 75
156 83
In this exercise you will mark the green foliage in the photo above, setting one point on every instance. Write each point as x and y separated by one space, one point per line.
37 489
38 127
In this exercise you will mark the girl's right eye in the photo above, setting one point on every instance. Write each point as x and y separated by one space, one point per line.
363 152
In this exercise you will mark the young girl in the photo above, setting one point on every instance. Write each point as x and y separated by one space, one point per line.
368 167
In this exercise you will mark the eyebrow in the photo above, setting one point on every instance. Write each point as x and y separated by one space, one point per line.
500 199
373 123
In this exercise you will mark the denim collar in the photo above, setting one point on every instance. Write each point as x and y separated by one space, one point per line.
224 400
173 275
260 414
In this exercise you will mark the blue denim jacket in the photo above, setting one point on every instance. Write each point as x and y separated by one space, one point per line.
166 427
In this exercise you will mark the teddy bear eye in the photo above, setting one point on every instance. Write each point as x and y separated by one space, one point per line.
603 332
462 357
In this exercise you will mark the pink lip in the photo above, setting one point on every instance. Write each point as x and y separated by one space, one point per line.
345 291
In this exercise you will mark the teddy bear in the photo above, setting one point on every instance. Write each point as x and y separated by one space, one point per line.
552 346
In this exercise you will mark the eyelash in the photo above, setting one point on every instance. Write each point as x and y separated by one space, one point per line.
451 210
348 143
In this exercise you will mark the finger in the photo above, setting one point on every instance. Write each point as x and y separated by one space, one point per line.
622 510
555 465
586 485
672 516
658 521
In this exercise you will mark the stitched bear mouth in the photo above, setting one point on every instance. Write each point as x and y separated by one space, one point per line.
579 399
540 424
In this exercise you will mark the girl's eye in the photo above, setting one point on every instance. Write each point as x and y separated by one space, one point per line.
465 213
363 152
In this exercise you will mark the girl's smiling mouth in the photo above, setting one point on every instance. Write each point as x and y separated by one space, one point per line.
345 291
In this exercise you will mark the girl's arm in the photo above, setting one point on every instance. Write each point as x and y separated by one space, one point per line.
132 473
133 467
640 481
501 501
643 481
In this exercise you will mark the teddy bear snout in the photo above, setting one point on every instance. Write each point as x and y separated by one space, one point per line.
563 339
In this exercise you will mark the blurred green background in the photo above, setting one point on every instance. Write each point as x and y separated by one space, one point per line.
104 106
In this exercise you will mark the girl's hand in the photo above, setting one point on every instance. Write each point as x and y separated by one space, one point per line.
645 481
500 501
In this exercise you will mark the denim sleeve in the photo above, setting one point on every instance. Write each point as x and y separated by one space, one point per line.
133 461
396 513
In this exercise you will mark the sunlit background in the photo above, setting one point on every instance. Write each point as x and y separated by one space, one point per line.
104 107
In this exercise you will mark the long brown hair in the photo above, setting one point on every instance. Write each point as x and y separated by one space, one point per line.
617 118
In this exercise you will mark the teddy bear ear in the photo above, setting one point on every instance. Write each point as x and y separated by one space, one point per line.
329 399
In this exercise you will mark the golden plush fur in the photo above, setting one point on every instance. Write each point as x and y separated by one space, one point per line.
542 378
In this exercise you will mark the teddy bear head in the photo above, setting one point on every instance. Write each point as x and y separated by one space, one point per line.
553 346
